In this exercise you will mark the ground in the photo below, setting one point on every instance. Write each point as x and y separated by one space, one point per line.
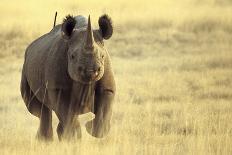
173 69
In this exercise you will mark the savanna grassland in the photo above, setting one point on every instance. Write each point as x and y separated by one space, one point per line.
173 68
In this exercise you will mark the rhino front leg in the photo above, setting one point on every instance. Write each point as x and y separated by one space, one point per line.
45 131
68 127
68 131
100 126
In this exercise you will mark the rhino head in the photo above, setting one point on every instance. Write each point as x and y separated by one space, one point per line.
86 52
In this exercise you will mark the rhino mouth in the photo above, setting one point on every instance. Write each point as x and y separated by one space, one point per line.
86 80
85 76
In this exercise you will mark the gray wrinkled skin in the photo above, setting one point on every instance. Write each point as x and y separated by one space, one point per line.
64 75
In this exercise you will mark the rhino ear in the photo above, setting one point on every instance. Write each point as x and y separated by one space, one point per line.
106 26
68 25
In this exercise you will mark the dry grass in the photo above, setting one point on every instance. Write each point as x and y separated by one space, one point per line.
173 67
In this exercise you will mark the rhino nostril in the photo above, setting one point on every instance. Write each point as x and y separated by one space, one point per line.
99 69
96 73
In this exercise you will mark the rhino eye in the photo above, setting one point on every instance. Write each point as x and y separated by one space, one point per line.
72 56
102 56
80 68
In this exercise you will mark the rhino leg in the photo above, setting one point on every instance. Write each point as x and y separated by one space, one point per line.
68 131
36 108
60 130
68 128
32 103
45 131
100 126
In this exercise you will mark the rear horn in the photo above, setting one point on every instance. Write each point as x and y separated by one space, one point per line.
55 20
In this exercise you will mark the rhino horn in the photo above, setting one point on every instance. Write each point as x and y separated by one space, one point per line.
89 37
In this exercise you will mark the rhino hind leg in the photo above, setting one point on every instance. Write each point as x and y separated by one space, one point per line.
32 103
36 108
45 131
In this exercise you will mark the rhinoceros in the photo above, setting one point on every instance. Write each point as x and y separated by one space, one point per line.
68 71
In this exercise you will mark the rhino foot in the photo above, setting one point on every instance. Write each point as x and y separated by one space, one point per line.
68 133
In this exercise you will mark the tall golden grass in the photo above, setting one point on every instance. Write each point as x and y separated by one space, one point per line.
173 68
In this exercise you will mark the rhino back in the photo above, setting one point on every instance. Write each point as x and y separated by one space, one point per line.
81 21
